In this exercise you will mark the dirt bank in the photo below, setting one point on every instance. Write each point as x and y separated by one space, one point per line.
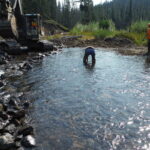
121 45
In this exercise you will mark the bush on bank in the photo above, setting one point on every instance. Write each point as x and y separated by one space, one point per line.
139 26
107 25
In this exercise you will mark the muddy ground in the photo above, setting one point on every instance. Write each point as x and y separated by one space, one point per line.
122 45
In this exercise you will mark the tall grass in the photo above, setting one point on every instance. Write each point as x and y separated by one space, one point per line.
102 34
136 32
94 29
79 28
137 38
139 27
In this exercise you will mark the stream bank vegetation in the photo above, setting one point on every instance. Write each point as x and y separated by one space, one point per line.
115 18
106 29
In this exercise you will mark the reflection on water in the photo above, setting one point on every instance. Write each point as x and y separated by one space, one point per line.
147 62
106 107
89 66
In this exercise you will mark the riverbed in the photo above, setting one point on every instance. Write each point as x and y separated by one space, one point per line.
76 107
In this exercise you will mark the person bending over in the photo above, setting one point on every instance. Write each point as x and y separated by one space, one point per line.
89 51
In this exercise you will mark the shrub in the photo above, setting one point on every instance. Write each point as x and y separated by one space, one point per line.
104 24
107 25
101 34
139 27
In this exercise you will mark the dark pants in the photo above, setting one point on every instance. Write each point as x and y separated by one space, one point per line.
85 59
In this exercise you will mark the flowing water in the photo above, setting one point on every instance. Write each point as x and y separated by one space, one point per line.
106 107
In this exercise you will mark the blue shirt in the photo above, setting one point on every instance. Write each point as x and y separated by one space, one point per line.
90 51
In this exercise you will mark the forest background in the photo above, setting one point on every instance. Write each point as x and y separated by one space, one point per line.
128 18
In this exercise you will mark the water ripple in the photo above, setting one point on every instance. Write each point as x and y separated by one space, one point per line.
100 108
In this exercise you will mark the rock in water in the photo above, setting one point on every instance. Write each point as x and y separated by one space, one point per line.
1 84
26 105
28 141
3 115
26 131
20 114
1 73
6 142
11 128
2 61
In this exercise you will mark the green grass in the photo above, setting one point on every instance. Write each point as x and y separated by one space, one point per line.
102 34
55 36
137 38
91 27
139 27
136 32
92 30
107 25
80 29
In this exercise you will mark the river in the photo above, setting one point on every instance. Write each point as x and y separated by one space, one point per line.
75 107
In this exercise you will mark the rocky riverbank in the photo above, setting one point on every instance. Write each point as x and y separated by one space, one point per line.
16 131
